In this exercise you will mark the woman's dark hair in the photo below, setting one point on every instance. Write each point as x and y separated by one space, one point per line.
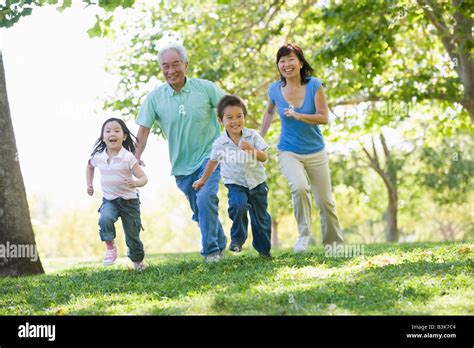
305 71
230 100
128 143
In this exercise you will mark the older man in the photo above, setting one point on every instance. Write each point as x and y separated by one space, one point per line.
185 109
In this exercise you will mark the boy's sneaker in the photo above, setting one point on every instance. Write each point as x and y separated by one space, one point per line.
110 256
301 244
214 257
139 265
235 247
266 255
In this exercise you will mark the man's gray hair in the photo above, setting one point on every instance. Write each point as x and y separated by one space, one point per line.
183 55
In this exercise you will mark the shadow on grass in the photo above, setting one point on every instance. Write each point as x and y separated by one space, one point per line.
232 285
377 290
171 280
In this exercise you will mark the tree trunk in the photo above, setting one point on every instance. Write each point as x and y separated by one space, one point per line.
392 190
18 253
389 177
275 242
392 213
469 105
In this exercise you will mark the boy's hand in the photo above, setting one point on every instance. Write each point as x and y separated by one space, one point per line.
198 184
131 183
246 146
90 190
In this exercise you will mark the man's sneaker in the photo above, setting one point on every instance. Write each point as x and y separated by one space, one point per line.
214 257
110 256
265 255
301 244
235 247
139 266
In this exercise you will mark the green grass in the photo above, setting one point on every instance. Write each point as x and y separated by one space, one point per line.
405 279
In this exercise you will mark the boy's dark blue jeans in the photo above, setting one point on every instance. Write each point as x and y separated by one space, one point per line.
129 212
255 202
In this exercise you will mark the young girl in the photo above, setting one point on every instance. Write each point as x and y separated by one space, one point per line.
113 155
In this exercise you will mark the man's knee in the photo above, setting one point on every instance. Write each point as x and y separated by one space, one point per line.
206 197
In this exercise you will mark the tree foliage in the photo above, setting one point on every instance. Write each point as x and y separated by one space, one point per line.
13 10
449 170
396 66
15 222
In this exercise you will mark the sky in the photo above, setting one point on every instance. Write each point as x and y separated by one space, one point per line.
55 77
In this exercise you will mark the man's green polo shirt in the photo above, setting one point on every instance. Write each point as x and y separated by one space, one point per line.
188 120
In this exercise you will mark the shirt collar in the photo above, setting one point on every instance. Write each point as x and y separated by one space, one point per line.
245 134
185 88
103 155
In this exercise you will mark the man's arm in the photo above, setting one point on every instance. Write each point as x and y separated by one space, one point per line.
142 137
214 92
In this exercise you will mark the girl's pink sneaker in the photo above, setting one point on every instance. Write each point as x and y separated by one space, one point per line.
110 256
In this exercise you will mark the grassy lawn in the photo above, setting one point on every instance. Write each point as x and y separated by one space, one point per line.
405 279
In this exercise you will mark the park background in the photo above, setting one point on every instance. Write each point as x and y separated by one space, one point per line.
399 137
59 81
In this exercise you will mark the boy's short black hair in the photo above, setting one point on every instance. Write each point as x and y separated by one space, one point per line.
230 100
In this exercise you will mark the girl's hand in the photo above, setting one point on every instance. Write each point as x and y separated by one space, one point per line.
131 183
90 190
198 184
246 146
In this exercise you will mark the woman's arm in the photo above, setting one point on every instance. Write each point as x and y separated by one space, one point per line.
322 117
267 118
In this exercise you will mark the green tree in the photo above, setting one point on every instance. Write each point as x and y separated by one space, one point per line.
380 72
15 221
401 55
449 169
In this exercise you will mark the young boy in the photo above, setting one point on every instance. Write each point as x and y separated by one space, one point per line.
241 152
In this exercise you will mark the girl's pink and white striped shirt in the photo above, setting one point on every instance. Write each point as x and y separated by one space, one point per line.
113 174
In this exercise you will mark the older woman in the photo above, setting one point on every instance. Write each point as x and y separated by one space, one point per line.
302 156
